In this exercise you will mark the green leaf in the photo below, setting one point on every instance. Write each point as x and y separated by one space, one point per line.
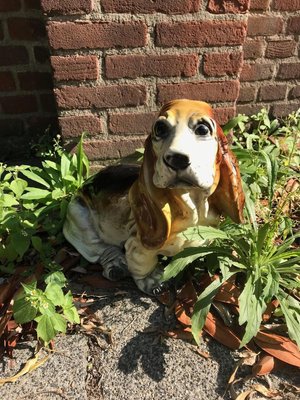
36 194
252 307
45 328
250 208
82 162
204 233
272 170
71 314
29 288
36 178
23 311
68 300
57 194
271 286
21 242
56 277
51 164
233 122
37 243
59 323
285 255
292 317
18 186
69 309
187 256
64 165
54 293
9 200
46 306
261 236
202 307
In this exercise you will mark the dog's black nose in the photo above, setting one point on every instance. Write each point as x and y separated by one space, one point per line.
177 161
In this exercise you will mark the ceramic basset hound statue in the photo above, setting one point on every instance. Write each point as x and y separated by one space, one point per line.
125 216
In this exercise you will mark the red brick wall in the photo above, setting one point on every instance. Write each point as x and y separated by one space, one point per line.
115 62
271 72
27 104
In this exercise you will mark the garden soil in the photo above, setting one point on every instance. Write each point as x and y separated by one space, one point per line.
128 357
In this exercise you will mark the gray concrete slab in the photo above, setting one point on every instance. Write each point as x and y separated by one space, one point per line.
138 364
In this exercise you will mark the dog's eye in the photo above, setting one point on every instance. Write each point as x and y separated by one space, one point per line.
161 129
202 130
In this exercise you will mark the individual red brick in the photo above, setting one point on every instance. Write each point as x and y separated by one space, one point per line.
280 48
253 48
133 66
221 64
289 71
67 7
224 114
75 125
206 91
18 104
294 92
26 28
10 5
35 80
286 5
224 6
293 25
32 4
149 7
7 82
256 72
69 97
249 109
41 54
109 149
13 55
272 92
259 5
284 109
71 35
129 123
48 103
200 33
247 94
264 25
77 68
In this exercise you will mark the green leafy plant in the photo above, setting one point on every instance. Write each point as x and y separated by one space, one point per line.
51 308
33 204
261 254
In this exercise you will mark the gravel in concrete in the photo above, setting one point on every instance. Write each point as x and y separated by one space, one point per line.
138 363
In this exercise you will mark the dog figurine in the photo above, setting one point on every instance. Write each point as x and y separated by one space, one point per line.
125 216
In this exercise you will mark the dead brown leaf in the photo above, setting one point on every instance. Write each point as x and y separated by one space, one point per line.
264 365
30 365
279 346
219 331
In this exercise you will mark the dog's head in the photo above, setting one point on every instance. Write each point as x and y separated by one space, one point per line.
186 150
185 144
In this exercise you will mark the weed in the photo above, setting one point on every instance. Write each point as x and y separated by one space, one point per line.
33 204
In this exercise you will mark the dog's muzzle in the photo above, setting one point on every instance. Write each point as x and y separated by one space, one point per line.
177 161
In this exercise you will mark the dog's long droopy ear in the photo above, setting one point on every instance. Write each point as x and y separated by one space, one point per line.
228 198
149 204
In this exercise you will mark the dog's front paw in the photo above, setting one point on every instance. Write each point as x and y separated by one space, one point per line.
152 284
163 287
114 264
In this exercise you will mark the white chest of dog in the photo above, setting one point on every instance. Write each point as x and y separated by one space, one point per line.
126 215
